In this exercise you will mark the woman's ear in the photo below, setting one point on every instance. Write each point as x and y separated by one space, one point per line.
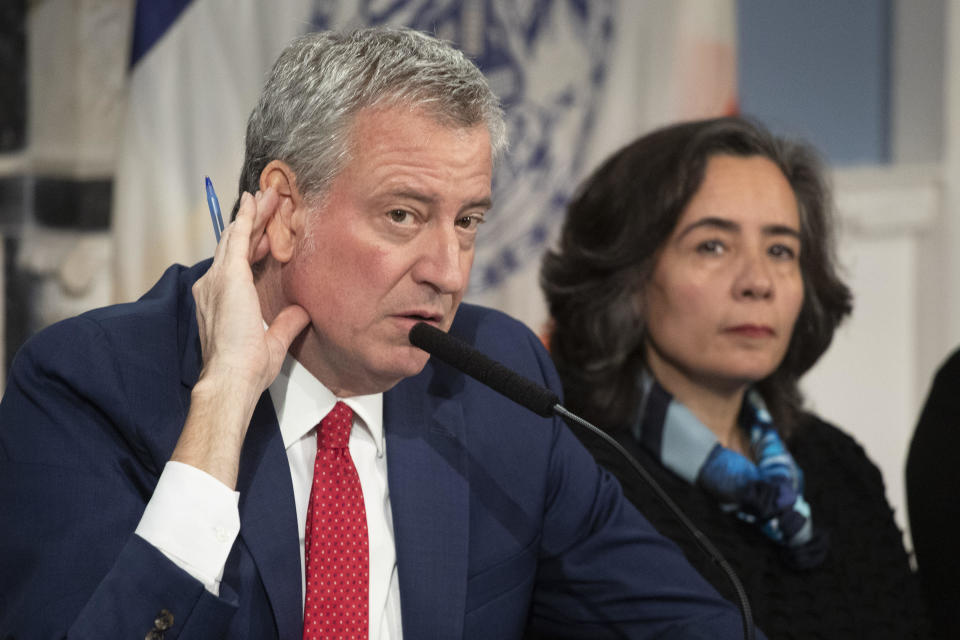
285 224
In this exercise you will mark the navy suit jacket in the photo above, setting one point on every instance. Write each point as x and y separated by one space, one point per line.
504 525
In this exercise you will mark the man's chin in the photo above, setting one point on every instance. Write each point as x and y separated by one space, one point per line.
415 362
408 365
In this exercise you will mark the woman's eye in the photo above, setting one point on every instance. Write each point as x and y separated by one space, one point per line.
714 247
782 251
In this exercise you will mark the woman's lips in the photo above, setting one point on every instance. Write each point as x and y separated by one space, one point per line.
752 331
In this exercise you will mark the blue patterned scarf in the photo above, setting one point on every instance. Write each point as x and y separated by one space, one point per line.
767 493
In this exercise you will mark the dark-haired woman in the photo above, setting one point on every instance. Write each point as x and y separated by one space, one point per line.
693 284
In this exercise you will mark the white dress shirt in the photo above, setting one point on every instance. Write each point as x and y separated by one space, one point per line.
194 520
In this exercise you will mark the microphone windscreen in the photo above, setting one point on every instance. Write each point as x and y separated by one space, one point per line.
460 355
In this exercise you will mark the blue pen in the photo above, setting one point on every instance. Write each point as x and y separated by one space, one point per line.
214 206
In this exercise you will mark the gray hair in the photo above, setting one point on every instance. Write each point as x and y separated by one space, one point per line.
322 80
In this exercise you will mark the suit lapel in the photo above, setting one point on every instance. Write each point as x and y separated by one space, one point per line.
429 497
268 520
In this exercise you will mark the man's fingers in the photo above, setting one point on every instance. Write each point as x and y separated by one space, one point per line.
235 237
266 203
285 327
261 250
246 235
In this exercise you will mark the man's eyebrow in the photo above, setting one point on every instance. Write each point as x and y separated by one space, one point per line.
482 203
411 194
729 225
427 198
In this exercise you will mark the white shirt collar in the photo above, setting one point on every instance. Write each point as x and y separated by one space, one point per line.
301 401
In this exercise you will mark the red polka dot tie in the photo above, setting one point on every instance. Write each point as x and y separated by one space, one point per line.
337 559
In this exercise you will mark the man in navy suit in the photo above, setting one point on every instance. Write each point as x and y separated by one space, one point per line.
157 458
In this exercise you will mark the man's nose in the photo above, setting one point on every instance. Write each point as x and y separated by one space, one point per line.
443 263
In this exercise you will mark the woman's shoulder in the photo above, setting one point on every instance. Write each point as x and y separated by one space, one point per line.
841 482
846 492
811 426
815 442
832 459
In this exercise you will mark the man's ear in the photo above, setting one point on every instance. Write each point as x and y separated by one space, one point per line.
286 222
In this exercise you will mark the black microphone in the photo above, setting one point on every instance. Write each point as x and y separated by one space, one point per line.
460 355
527 393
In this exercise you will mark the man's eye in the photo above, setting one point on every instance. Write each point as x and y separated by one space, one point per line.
470 222
399 215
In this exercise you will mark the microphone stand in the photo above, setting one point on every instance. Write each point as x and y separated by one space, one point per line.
463 357
701 539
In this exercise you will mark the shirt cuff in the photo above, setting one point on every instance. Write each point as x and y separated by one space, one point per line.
193 519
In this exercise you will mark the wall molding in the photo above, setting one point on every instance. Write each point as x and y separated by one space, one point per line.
889 200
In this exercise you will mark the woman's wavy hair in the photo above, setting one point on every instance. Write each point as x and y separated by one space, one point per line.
615 226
